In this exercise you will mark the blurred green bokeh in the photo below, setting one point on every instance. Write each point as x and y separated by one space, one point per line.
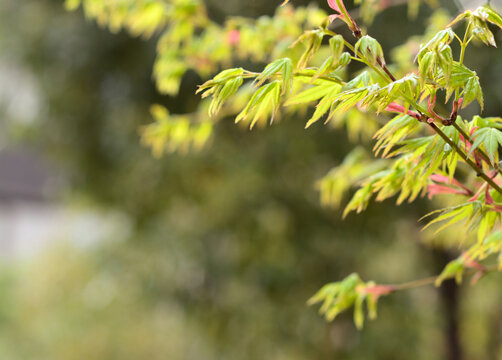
216 252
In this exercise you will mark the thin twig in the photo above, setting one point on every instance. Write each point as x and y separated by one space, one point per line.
432 279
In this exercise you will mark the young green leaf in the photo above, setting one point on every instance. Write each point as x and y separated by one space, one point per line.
360 200
336 44
454 269
491 138
487 13
445 60
284 66
426 66
337 296
314 93
223 93
326 67
442 37
369 48
473 91
487 223
481 32
263 103
313 40
344 60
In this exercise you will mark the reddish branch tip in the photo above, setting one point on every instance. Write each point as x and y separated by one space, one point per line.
396 108
343 14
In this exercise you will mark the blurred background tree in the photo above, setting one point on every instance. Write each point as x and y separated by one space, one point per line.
217 251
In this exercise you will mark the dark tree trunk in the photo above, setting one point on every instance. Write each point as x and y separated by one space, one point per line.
449 298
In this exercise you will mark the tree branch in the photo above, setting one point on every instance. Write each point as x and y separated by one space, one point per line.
437 130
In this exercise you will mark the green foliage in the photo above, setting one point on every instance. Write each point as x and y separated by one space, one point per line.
189 40
338 297
312 70
350 292
491 139
312 41
174 133
227 243
415 161
263 104
485 247
355 167
369 48
284 67
394 132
